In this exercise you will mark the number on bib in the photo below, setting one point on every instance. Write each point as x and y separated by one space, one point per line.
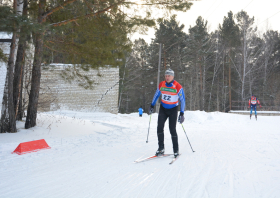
165 97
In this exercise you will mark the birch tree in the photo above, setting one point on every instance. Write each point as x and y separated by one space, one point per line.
245 24
8 121
19 64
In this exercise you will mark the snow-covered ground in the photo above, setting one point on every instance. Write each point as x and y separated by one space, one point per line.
92 155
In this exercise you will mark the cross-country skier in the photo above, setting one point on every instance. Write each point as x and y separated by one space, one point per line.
140 111
253 104
171 92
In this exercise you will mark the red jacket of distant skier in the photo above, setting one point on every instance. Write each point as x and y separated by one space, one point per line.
253 101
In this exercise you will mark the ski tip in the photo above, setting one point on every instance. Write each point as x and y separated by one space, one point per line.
175 158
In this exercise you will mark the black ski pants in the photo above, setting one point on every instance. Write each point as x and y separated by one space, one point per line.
172 114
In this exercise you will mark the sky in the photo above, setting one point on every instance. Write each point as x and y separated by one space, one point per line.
266 13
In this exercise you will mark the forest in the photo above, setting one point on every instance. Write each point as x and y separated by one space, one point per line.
88 34
218 70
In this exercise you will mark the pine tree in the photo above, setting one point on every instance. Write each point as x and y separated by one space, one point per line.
198 50
171 35
89 11
230 37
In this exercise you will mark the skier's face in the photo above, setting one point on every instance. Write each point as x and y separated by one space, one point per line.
169 78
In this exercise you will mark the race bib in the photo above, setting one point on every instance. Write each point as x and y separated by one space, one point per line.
253 102
170 98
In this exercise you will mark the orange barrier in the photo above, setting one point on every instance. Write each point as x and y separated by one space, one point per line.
32 146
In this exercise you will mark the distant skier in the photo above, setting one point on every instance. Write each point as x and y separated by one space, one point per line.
140 111
171 91
253 104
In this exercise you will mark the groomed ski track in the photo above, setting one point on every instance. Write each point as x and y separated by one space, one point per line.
92 155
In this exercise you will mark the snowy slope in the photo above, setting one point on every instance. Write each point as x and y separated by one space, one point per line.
92 155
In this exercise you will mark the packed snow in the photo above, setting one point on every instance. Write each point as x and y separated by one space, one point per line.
92 155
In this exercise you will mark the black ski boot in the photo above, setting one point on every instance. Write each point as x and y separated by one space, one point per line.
256 117
250 116
176 154
160 151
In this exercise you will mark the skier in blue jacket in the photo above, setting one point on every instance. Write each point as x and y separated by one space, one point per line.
140 111
171 92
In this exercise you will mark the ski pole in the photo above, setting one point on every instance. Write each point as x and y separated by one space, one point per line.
149 128
187 137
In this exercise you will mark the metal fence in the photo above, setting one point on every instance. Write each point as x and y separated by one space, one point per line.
266 106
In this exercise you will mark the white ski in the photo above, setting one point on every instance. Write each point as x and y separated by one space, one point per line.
174 159
152 157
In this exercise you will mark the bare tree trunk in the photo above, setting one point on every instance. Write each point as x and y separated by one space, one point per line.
250 83
223 88
218 99
36 73
121 87
203 85
191 93
8 121
197 91
229 80
20 105
214 74
244 67
164 52
210 95
19 67
267 53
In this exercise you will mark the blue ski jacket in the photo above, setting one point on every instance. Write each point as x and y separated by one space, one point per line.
140 111
171 93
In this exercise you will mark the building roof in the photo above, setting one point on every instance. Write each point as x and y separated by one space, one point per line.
5 37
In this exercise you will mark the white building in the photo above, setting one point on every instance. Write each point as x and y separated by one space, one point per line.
57 94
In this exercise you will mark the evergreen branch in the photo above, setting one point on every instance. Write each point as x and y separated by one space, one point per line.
57 8
55 41
87 15
3 57
61 51
76 23
64 43
126 15
53 49
88 6
180 39
122 12
149 4
113 14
